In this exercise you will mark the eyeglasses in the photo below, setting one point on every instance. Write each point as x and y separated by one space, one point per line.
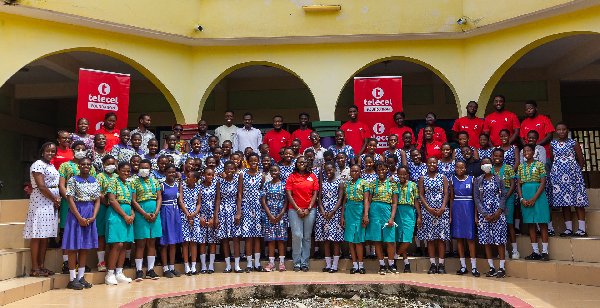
301 163
66 138
429 118
177 129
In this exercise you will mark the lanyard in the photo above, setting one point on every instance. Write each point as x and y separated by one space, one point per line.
125 190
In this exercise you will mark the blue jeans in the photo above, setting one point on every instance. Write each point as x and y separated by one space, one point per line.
301 235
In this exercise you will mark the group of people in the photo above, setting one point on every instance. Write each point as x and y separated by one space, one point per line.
116 187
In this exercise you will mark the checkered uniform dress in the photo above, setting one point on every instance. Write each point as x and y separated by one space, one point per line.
229 193
285 172
493 233
398 152
458 154
447 169
567 180
191 233
329 230
376 157
485 153
208 235
416 171
369 177
275 195
252 212
434 228
346 150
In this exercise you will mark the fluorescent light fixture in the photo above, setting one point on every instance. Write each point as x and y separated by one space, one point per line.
321 8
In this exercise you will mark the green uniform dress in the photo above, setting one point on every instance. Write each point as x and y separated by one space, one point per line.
506 173
146 191
68 170
406 215
380 212
354 210
104 180
117 230
529 176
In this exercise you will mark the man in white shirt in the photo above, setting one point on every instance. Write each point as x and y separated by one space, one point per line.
227 131
247 136
143 130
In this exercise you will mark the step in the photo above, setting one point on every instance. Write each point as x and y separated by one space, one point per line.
593 198
592 221
16 289
565 248
13 210
12 236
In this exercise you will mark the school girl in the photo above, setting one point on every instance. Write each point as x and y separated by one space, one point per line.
170 219
152 154
328 227
208 220
490 198
343 170
250 184
382 211
340 146
196 146
368 174
392 163
83 197
296 145
567 180
435 212
122 152
393 149
275 206
371 147
266 162
104 179
147 225
229 215
219 163
356 217
171 150
507 174
160 173
407 145
485 149
534 204
119 224
463 216
287 164
190 222
472 165
408 214
511 152
447 164
136 143
463 140
181 145
416 166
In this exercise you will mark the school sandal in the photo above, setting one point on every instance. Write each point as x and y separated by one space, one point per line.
47 271
580 233
567 232
37 273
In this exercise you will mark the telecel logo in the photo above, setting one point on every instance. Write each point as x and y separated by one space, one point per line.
101 101
377 93
376 104
378 128
104 89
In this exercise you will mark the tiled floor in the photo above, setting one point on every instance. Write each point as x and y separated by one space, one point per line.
536 293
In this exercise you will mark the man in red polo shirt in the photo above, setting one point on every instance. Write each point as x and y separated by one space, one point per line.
357 133
539 123
303 133
277 138
470 124
499 120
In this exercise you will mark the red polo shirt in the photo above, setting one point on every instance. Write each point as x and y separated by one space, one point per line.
472 126
302 187
276 141
111 138
399 131
304 136
356 134
62 156
540 124
433 149
439 135
496 122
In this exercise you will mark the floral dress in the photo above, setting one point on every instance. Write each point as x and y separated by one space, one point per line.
275 196
434 228
509 156
228 209
285 172
153 161
175 154
42 219
371 177
485 153
376 157
458 154
447 169
416 171
208 235
346 150
492 233
567 181
329 230
191 233
252 213
122 153
97 161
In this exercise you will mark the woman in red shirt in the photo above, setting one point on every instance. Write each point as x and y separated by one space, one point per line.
301 189
428 145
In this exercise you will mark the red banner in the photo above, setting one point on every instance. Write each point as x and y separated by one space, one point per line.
100 93
378 98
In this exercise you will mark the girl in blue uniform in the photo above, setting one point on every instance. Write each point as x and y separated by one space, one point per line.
511 152
152 154
229 214
275 205
190 221
328 226
250 182
170 219
122 152
490 198
463 216
408 214
209 220
160 174
356 217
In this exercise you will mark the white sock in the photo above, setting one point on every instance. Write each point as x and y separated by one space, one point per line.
463 263
535 247
128 253
373 250
517 223
582 225
151 262
502 264
432 260
237 263
390 262
80 272
72 274
569 225
396 256
193 266
355 265
118 270
281 259
441 261
187 267
327 262
100 256
550 227
336 259
491 263
514 247
165 268
272 260
65 258
110 272
473 263
203 261
257 259
381 263
544 247
249 261
361 265
138 264
406 261
171 267
211 263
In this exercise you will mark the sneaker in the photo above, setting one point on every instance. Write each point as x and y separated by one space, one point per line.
392 269
362 271
517 231
441 269
475 272
462 271
580 233
382 270
501 273
139 276
432 269
545 257
152 274
176 273
533 256
407 268
282 267
65 268
195 273
102 266
353 271
127 263
567 232
88 269
551 233
516 255
85 284
318 255
491 272
210 272
270 267
122 279
74 285
447 254
168 274
110 280
304 268
297 269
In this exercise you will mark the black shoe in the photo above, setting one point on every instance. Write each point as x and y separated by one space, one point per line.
353 271
238 271
544 257
296 269
75 285
501 273
551 233
491 272
304 268
203 272
447 255
362 270
517 231
288 254
152 274
580 233
85 284
65 268
382 270
426 254
533 256
249 269
188 273
441 269
418 252
127 263
259 269
176 273
475 272
333 270
407 268
455 254
227 271
392 269
432 269
88 269
139 276
52 243
195 273
539 232
326 269
567 232
462 271
168 274
210 272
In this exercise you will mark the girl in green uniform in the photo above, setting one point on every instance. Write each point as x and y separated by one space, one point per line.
407 213
356 216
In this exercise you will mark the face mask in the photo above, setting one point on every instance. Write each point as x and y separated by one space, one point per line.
487 168
110 168
79 154
144 172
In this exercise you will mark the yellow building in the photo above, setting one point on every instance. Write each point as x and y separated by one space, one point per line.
288 56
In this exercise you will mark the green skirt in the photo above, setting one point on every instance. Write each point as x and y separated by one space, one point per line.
117 230
406 219
143 229
510 205
101 220
353 213
540 211
64 209
379 214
